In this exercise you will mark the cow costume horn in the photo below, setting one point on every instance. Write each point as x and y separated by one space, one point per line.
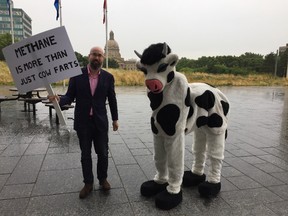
138 54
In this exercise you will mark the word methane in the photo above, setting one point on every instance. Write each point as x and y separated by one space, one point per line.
37 45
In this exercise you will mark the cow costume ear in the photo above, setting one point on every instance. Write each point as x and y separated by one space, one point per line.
165 49
172 59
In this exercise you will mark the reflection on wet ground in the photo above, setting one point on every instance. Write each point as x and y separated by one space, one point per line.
40 170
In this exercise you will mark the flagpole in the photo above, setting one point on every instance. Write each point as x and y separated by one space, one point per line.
60 15
106 24
60 12
11 20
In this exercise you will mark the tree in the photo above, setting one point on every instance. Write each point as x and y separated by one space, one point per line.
112 63
269 63
228 61
206 61
83 60
251 61
185 63
5 40
282 63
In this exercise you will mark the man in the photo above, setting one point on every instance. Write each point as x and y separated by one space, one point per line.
91 89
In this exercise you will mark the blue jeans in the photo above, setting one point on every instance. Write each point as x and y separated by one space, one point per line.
100 142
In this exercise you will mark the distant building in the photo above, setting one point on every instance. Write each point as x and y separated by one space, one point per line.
114 53
283 48
21 21
130 64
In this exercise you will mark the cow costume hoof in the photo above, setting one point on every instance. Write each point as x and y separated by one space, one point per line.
190 179
167 201
207 189
151 188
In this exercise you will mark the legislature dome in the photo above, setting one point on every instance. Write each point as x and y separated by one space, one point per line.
114 53
112 44
113 48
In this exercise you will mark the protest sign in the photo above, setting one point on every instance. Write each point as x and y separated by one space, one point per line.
47 57
40 60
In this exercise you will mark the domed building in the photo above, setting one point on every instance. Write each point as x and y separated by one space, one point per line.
113 49
114 53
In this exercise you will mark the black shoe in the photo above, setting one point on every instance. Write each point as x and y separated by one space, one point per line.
167 201
151 188
207 189
190 179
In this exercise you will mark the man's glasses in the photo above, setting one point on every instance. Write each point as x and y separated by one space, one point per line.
97 55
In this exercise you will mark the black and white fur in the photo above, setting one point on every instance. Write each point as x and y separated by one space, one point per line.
178 108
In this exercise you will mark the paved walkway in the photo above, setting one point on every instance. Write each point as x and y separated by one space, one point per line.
40 170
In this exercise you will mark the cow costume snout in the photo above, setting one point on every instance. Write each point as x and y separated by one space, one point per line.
154 85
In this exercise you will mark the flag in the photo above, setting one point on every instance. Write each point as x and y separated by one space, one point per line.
56 4
8 5
104 9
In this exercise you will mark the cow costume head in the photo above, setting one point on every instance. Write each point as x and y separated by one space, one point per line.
179 108
158 65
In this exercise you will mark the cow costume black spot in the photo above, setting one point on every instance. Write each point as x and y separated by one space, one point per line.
179 108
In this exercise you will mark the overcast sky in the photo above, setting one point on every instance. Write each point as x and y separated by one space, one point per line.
192 28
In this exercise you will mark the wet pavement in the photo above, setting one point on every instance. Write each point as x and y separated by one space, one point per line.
40 170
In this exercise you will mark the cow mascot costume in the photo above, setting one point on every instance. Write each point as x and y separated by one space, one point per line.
178 109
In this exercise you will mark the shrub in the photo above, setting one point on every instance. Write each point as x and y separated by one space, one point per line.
222 69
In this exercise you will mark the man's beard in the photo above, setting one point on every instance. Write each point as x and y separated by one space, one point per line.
95 65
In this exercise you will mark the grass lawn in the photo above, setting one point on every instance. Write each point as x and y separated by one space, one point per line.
136 78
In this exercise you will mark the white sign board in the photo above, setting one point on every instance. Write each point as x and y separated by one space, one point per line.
45 58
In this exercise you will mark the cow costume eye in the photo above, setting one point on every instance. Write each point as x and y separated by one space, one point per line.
162 68
173 63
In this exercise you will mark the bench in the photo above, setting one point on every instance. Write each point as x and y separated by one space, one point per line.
30 97
32 101
51 106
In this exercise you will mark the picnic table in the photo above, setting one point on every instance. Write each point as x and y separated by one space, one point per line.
35 92
51 107
32 97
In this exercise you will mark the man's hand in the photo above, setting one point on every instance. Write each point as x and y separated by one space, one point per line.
115 125
52 98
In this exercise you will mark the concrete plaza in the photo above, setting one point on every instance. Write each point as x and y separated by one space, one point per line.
40 169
